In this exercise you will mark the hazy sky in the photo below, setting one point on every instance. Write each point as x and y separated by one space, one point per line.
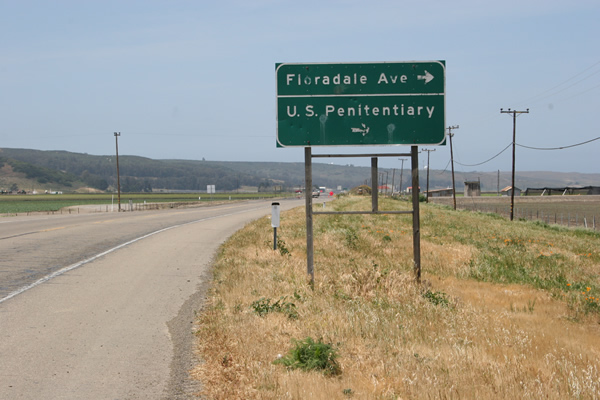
196 79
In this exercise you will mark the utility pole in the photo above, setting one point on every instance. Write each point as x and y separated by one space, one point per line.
387 175
512 190
401 173
117 134
498 188
450 134
428 151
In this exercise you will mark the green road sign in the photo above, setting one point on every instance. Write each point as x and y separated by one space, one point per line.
395 103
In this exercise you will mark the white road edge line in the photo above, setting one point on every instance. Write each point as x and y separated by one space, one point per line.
80 263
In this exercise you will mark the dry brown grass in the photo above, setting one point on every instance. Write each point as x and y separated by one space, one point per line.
492 340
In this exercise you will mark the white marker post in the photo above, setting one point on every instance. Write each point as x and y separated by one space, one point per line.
275 222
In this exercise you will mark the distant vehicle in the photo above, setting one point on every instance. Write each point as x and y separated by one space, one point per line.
316 193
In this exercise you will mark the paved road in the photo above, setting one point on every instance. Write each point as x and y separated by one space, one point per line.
101 306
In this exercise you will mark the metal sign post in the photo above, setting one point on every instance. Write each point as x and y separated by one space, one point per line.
414 154
374 185
275 211
309 215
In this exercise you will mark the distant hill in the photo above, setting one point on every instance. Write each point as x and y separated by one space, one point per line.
139 174
18 175
68 171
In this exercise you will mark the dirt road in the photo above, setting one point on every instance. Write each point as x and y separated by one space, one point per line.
120 324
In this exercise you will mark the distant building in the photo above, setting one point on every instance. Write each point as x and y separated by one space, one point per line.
472 188
507 191
440 192
562 191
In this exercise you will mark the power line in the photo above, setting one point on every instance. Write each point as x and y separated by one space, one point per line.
568 87
580 93
558 148
520 145
544 94
538 97
488 160
445 168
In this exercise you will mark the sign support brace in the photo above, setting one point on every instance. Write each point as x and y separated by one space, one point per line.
414 154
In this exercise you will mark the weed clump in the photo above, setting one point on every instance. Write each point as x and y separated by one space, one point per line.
309 355
281 246
437 298
351 238
263 306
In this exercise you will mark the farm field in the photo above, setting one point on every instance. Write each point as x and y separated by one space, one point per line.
20 204
572 211
505 309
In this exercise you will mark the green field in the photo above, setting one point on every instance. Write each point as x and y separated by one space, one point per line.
16 204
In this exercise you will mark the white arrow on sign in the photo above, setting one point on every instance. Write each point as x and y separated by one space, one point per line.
427 77
364 130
